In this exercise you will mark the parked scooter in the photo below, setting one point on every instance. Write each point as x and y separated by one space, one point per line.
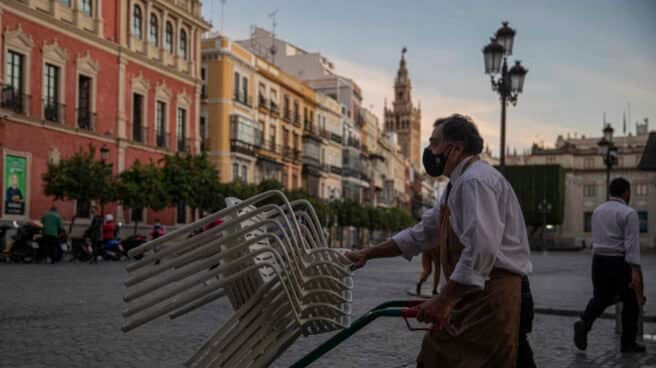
133 241
25 246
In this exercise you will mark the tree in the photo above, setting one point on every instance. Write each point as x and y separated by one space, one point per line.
207 195
140 187
80 178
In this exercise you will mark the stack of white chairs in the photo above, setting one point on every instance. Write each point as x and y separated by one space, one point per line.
269 257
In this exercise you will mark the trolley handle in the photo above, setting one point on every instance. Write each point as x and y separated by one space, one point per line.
412 313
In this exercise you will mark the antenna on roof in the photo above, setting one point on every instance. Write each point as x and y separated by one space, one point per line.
273 50
223 2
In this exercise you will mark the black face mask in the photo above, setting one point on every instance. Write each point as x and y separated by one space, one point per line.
434 164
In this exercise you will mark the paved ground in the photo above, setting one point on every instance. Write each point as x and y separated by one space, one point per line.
68 315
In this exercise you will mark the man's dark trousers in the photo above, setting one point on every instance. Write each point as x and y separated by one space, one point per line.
524 351
610 279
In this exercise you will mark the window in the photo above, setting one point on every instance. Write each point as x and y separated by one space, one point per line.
85 7
168 37
181 213
12 93
85 118
297 117
286 112
182 130
183 44
203 78
272 137
203 134
66 3
644 222
244 92
641 189
587 222
244 130
154 30
588 163
137 118
136 215
160 124
244 173
236 86
589 190
82 209
136 21
235 171
51 105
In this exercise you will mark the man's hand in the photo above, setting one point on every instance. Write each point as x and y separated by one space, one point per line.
436 310
637 284
358 257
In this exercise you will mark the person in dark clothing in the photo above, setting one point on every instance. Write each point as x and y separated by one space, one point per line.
525 353
52 227
615 267
94 233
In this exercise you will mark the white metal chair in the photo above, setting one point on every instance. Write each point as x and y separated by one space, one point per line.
269 257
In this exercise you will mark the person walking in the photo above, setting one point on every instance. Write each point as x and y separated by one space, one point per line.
430 260
616 268
94 234
479 229
52 227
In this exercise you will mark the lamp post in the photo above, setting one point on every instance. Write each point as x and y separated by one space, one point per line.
509 83
544 208
608 151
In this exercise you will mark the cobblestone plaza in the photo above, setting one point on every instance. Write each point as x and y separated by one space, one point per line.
68 315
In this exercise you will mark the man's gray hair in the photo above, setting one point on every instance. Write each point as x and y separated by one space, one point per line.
461 128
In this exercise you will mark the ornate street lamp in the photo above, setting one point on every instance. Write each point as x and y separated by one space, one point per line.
510 83
608 151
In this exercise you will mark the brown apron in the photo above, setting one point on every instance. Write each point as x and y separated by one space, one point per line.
483 327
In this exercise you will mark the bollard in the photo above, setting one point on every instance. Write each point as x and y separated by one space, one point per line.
618 321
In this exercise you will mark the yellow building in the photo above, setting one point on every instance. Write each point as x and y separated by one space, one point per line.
254 115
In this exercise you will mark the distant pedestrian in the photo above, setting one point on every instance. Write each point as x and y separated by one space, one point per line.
430 261
616 268
52 227
109 231
157 231
94 233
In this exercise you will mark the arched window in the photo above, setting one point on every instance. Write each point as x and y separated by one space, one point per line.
168 37
136 22
154 30
183 44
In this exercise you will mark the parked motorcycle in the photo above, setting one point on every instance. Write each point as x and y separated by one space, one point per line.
132 242
25 246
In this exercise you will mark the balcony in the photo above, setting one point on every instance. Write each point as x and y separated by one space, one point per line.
14 100
242 147
297 120
204 144
336 138
286 116
162 139
335 169
53 111
271 147
245 101
262 102
291 154
275 110
352 142
139 133
183 145
86 119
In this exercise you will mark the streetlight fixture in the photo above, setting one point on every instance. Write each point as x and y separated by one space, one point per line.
510 83
104 153
544 208
608 151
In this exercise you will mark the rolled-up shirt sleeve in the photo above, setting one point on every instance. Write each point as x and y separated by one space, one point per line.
419 237
632 239
482 231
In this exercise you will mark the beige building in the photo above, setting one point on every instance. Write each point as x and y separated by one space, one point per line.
329 120
586 182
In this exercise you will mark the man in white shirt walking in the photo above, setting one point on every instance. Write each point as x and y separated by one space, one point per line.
615 266
479 229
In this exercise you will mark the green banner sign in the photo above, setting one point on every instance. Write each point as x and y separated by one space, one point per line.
15 185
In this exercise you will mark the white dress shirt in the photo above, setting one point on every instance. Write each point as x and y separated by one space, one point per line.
616 231
486 217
